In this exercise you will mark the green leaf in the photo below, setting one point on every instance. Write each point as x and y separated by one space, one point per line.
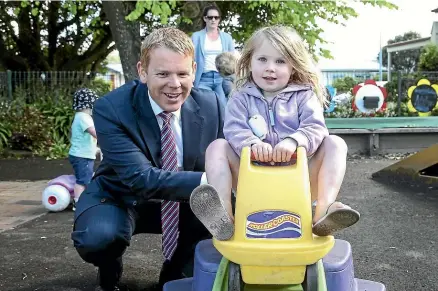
34 11
156 9
73 8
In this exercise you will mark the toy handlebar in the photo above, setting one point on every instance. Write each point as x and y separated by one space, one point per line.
247 161
294 156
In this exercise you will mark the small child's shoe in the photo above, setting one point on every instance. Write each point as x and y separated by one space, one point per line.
74 204
209 209
335 219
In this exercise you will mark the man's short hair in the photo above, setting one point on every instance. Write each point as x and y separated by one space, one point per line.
168 37
226 63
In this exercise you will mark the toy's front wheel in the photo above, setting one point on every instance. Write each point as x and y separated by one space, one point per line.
235 282
56 198
315 277
311 279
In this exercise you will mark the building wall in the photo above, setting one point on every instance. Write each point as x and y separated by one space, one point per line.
434 36
115 78
329 76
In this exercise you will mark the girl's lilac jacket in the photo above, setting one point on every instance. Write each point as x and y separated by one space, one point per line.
295 113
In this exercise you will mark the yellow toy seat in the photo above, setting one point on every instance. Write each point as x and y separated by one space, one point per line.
273 241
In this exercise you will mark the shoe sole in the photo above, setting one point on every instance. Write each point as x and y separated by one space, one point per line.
335 221
209 209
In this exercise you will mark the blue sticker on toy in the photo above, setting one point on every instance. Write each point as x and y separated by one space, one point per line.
273 224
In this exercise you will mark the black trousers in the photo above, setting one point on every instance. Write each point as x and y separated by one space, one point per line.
102 234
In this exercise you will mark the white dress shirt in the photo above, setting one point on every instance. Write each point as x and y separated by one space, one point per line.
176 125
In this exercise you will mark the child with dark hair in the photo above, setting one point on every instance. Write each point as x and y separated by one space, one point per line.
83 140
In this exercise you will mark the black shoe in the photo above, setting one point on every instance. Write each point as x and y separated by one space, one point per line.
109 276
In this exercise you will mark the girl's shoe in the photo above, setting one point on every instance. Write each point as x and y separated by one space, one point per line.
209 209
335 219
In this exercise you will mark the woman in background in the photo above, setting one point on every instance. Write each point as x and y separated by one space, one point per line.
210 42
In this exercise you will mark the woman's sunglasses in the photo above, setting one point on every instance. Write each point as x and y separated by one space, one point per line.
213 17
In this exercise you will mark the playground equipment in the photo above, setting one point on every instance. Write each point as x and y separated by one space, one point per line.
58 195
273 247
369 97
420 169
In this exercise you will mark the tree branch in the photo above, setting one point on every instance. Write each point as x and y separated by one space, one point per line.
27 44
101 58
63 25
11 61
7 20
36 30
52 30
90 56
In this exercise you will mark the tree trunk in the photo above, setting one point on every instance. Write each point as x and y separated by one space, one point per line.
126 35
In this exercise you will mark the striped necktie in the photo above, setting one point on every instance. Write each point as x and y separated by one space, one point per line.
169 209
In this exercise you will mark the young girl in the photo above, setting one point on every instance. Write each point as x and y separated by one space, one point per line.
277 106
83 140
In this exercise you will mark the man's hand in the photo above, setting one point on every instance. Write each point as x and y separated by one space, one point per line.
262 152
284 150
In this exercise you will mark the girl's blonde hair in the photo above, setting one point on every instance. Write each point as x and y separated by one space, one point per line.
287 41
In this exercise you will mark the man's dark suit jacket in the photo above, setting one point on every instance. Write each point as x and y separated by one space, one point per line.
129 137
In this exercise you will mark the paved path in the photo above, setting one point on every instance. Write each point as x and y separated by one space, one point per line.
20 202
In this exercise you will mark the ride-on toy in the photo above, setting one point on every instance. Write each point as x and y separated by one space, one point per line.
58 194
273 247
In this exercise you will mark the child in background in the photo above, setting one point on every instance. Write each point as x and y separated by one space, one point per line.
83 140
277 106
226 66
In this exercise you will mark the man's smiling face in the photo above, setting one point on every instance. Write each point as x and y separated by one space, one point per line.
169 77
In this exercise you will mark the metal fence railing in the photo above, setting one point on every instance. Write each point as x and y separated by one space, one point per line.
32 85
330 76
